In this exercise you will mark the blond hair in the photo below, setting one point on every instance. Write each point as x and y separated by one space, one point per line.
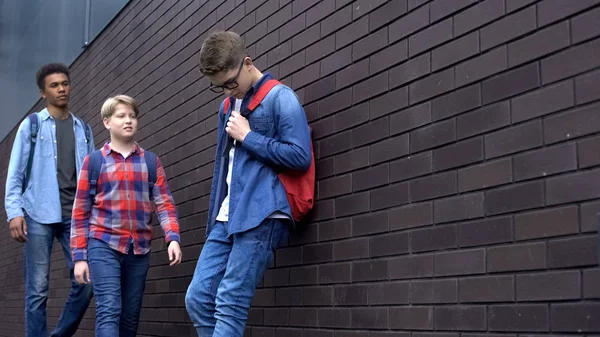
221 51
109 106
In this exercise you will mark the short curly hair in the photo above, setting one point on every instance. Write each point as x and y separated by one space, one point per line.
49 69
221 51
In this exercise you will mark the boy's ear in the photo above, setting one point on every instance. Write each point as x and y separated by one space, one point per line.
106 123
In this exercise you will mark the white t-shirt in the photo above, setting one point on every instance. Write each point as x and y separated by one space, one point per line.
223 215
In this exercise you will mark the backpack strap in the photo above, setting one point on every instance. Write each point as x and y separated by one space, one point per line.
150 159
258 97
226 105
34 127
94 166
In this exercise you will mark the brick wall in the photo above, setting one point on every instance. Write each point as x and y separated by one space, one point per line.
458 162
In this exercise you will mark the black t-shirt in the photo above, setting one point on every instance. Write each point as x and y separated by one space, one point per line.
65 162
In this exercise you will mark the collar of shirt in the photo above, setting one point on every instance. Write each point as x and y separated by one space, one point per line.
107 149
44 115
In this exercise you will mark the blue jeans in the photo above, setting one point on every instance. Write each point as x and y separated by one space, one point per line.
37 252
226 276
119 281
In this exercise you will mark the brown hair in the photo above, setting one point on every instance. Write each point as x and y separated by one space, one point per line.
221 51
109 106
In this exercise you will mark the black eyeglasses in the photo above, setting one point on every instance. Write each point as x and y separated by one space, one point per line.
231 84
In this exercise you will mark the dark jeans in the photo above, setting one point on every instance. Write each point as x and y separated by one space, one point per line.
37 252
119 281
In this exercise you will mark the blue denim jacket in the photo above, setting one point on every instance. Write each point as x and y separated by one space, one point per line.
41 199
279 140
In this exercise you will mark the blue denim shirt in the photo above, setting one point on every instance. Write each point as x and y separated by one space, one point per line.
41 199
279 140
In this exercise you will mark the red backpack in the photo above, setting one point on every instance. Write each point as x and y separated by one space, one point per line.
299 186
